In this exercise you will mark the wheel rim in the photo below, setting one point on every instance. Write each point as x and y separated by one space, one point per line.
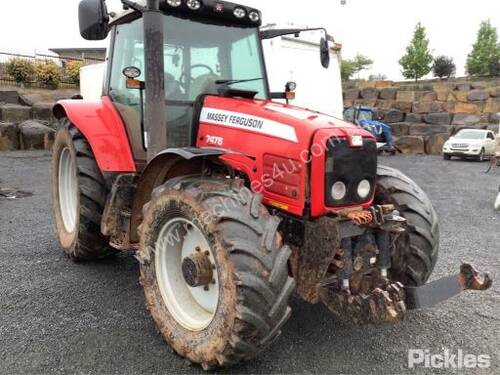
67 190
192 307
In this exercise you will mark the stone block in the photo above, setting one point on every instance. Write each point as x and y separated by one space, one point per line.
43 112
428 96
9 96
403 106
369 93
427 130
14 113
439 118
394 115
36 136
388 93
434 143
492 105
427 107
9 136
400 128
351 94
467 108
466 119
410 145
478 95
413 117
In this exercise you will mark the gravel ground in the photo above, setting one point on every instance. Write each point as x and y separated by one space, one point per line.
60 317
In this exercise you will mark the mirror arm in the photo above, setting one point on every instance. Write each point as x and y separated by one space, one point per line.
269 34
133 5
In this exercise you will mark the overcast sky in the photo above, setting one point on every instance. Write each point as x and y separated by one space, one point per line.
380 29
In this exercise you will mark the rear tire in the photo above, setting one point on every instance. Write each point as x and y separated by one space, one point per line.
78 195
482 156
248 257
415 253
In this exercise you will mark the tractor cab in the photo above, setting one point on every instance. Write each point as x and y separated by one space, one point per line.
210 48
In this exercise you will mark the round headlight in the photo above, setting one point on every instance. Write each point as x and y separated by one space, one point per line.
364 189
254 16
174 3
339 191
239 12
193 4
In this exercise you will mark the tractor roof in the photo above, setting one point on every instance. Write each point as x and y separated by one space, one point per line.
209 9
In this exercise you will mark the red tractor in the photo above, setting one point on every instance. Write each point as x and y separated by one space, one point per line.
233 201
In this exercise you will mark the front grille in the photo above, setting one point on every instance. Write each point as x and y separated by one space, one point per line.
460 145
349 165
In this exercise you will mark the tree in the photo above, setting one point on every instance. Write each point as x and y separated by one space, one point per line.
495 67
354 66
347 69
444 67
417 62
484 52
361 62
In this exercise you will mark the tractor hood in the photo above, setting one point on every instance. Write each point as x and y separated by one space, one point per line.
272 120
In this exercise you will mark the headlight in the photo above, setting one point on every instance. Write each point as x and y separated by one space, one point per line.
193 4
174 3
254 16
239 12
339 191
364 189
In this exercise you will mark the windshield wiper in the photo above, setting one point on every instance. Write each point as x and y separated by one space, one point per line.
235 81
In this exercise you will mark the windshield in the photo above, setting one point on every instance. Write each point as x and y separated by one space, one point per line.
470 134
199 54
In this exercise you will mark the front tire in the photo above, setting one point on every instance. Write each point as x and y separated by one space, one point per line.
446 157
78 195
415 253
250 277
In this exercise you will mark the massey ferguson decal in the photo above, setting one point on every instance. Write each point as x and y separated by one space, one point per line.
238 120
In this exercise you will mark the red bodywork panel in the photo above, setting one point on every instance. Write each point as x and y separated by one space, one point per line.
269 134
281 148
103 127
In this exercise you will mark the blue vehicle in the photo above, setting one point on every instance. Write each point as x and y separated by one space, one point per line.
364 117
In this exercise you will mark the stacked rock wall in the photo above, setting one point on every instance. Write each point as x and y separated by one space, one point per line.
24 124
423 116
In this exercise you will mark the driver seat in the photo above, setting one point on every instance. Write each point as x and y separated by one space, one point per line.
204 84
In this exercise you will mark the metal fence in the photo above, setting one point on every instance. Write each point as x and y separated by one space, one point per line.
61 62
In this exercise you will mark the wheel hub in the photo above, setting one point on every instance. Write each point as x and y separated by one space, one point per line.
187 274
197 269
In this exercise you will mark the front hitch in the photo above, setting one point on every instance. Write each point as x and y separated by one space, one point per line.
438 291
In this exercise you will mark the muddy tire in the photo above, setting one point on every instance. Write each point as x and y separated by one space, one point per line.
78 195
415 253
251 284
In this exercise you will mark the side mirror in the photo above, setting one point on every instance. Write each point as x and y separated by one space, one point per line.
94 19
324 53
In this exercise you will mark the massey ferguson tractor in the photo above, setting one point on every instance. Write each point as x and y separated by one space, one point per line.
233 201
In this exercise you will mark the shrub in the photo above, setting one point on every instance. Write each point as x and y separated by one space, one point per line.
20 70
48 73
73 71
444 67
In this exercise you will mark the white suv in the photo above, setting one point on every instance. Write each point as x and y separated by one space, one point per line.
471 143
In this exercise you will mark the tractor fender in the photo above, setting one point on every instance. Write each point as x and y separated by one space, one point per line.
103 128
170 163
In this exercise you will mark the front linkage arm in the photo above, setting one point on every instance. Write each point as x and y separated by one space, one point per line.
438 291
